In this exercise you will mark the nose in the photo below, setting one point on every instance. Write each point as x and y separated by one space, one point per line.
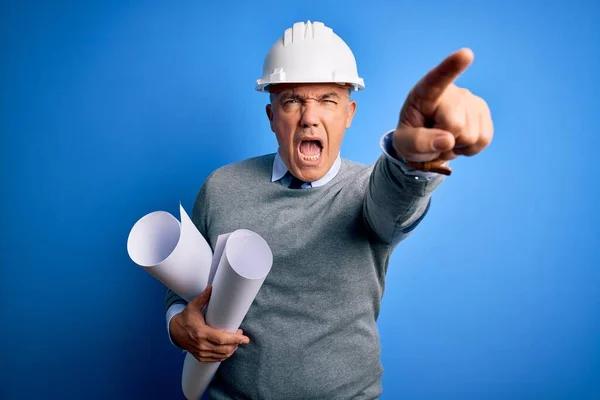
310 115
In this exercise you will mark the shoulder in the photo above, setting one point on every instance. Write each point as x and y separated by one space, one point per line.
251 169
355 167
353 177
253 163
229 179
354 170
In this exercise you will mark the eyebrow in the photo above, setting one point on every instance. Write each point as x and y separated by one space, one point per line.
330 94
295 96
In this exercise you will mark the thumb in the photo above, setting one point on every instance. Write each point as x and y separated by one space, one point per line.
200 301
422 144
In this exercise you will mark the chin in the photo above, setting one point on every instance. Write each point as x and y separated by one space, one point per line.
311 177
311 174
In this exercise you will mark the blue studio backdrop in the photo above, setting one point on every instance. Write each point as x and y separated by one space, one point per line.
111 110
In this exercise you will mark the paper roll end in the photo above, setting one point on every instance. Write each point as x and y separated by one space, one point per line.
249 254
152 238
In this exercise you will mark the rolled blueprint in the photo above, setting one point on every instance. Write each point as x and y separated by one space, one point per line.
245 262
174 253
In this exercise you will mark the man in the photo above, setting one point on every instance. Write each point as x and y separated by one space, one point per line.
332 224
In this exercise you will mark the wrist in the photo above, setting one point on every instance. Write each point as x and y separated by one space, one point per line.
436 166
175 327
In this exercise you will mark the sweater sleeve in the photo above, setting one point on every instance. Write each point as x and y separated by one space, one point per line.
397 198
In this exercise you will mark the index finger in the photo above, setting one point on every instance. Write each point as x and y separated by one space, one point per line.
432 86
216 336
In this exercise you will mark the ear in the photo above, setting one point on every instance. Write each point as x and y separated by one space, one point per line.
269 111
350 113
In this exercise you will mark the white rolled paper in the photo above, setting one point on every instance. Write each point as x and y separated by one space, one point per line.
243 267
180 257
174 253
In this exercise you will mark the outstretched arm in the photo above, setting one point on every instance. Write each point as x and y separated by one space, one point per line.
438 122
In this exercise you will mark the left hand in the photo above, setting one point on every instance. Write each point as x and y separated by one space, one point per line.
440 121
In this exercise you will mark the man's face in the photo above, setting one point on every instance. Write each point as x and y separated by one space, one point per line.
309 121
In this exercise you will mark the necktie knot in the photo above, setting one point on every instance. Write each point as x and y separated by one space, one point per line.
295 183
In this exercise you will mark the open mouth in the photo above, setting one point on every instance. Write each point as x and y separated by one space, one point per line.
311 149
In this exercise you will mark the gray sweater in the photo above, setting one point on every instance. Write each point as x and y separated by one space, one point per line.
312 327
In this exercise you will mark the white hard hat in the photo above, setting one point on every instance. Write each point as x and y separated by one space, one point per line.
309 53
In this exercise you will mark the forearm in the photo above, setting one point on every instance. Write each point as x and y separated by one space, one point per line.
397 198
174 304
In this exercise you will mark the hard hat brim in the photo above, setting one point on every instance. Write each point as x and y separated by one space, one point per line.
270 87
280 87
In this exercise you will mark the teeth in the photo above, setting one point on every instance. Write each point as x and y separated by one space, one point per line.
314 157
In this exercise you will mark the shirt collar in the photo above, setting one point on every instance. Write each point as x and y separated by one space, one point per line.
280 169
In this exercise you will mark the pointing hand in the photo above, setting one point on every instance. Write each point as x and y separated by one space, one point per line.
440 121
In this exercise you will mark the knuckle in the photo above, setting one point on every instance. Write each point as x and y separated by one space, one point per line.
469 138
196 334
204 346
454 120
484 141
193 333
490 129
486 138
484 109
484 105
221 339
